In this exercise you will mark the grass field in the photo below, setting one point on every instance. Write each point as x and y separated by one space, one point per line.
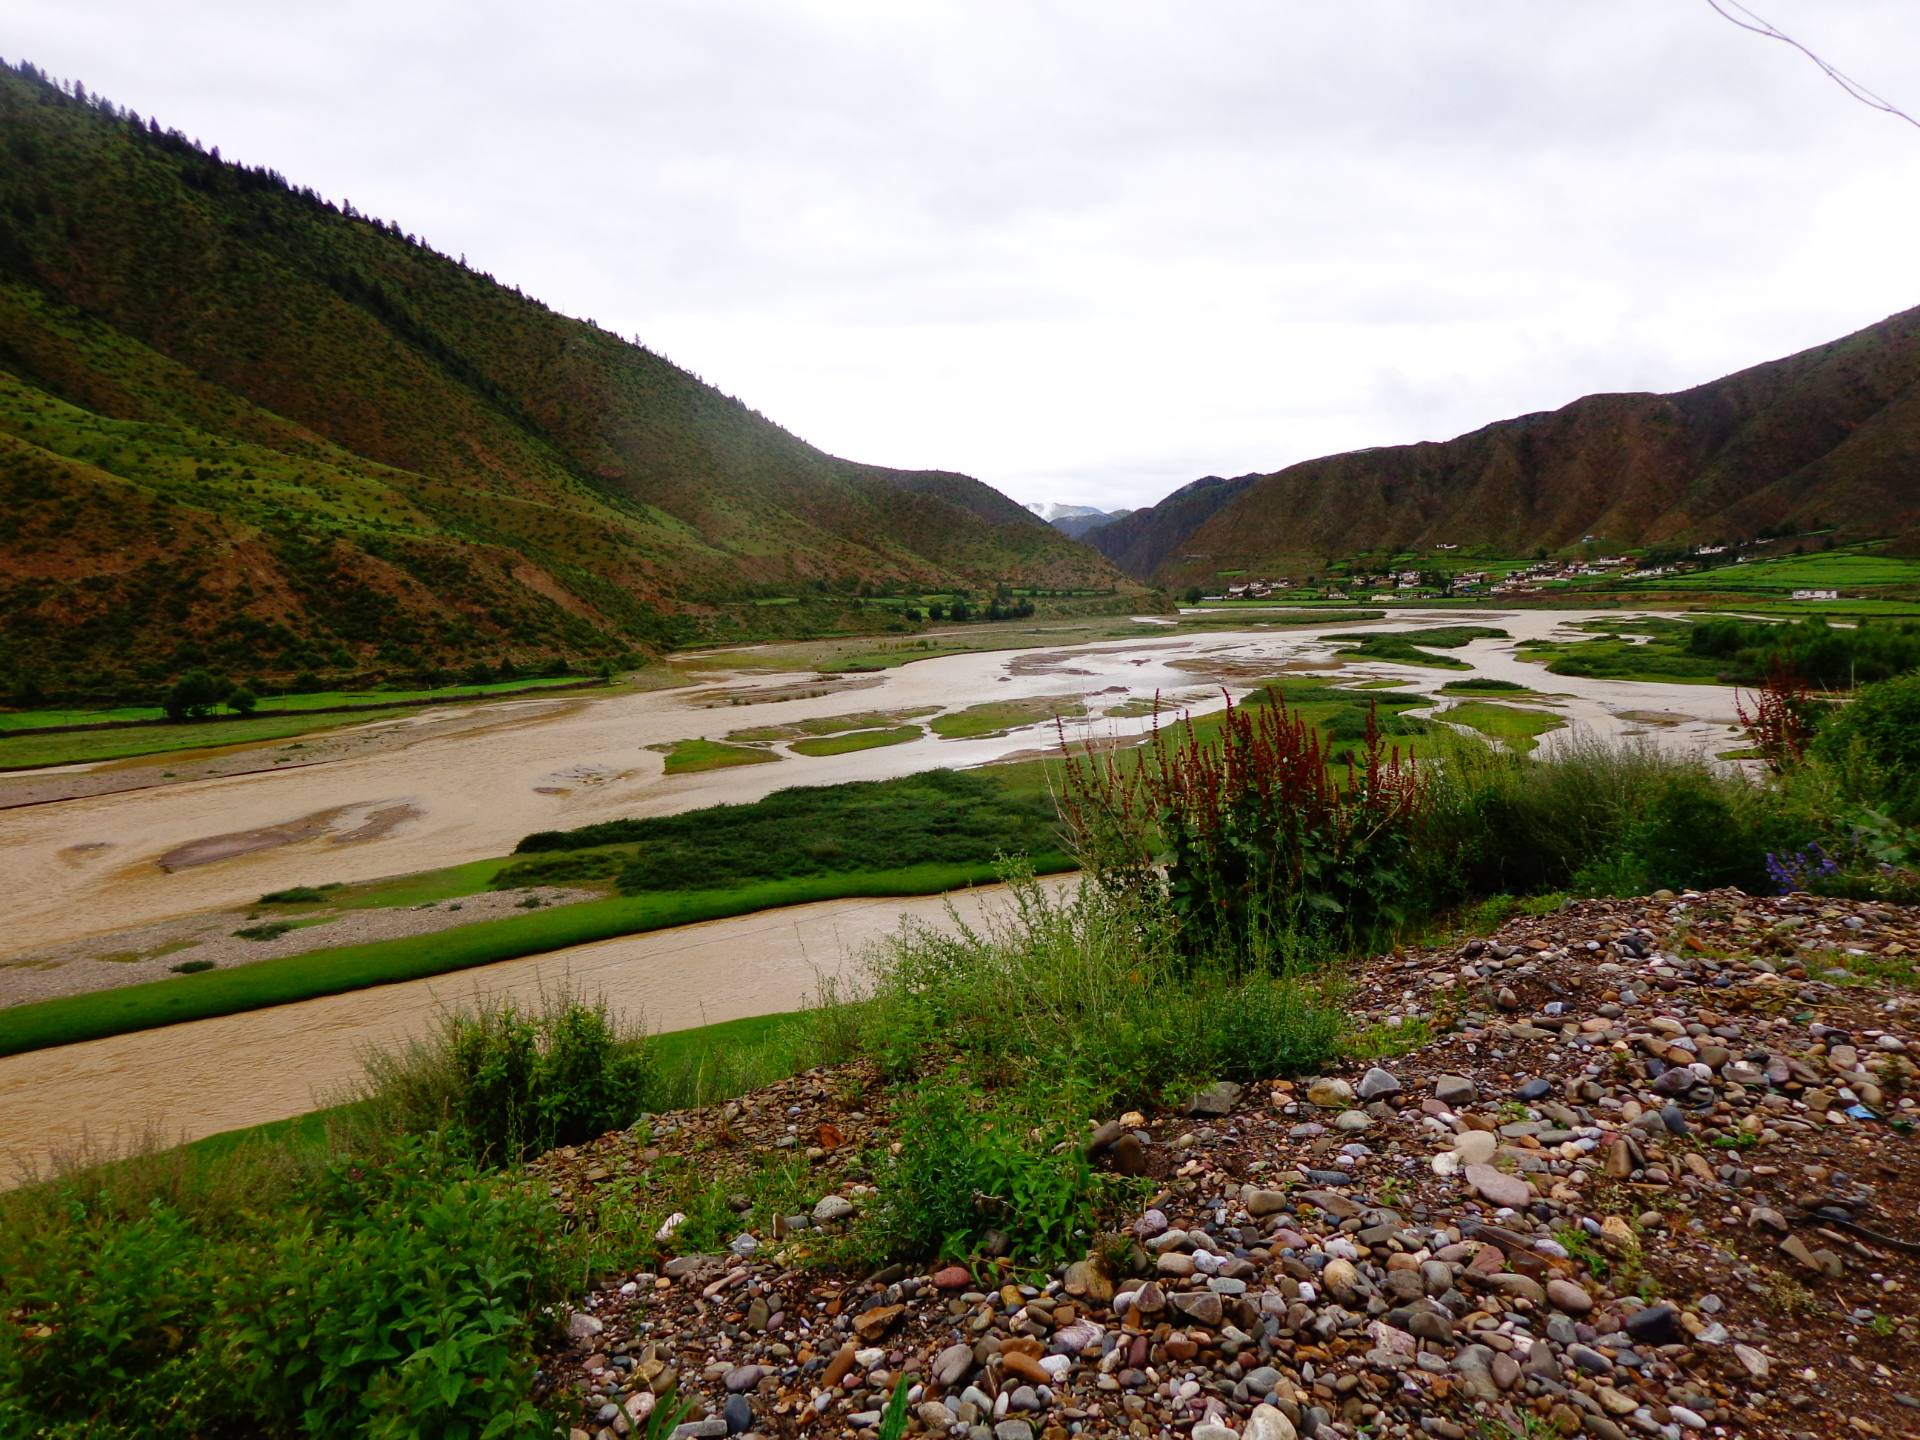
75 1018
1837 570
1655 654
21 751
27 742
686 757
1516 727
1416 647
1482 686
11 720
429 887
997 717
856 740
829 725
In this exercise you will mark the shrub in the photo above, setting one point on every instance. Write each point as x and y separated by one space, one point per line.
1872 747
242 701
195 696
400 1304
271 930
1602 818
174 1295
506 1084
298 895
108 1310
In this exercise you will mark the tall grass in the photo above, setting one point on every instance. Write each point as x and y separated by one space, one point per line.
1095 992
502 1083
1600 817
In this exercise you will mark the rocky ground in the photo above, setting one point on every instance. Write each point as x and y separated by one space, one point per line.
1634 1168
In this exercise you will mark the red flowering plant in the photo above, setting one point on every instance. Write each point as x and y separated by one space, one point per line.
1252 834
1779 718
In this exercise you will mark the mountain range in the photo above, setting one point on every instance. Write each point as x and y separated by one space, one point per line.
243 425
1828 438
1074 520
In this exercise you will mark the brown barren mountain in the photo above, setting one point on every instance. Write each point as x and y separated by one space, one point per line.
1831 435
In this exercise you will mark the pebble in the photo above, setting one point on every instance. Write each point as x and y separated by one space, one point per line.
1395 1267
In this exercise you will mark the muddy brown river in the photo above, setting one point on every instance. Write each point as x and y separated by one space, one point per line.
94 865
182 1082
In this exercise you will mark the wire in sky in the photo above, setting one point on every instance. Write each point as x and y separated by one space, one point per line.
1725 9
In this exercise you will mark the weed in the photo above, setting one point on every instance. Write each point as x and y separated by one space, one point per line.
272 930
967 1163
1788 1295
1580 1246
1382 1040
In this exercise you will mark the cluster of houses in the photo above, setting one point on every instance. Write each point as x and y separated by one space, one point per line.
1545 572
1411 584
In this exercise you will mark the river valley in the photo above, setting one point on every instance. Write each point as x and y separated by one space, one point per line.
98 864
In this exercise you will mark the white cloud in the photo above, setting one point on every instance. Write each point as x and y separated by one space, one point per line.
1091 251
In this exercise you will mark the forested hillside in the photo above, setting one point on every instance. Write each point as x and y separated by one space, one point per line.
241 424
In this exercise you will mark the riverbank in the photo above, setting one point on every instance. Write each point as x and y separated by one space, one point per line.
197 1078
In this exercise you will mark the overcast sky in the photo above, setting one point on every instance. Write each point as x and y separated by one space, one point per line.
1091 251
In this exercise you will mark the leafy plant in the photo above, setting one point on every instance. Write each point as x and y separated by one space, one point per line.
967 1163
893 1423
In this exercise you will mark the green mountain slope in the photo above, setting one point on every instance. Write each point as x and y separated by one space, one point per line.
239 424
1831 435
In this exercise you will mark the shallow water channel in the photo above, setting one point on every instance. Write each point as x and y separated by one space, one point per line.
90 865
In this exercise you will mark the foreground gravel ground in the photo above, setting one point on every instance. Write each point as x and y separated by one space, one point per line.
1652 1171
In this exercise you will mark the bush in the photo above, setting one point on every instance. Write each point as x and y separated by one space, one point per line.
195 696
170 1295
399 1305
1872 748
1602 819
505 1084
271 930
109 1309
242 701
298 895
